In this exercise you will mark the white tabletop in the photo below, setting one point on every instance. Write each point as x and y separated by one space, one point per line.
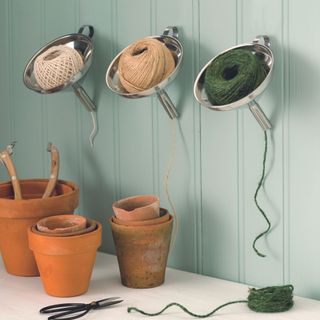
21 297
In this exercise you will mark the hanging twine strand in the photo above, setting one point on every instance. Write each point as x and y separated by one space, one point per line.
269 299
173 151
144 64
256 195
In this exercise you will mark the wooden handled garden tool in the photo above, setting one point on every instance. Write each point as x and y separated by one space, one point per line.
8 163
55 161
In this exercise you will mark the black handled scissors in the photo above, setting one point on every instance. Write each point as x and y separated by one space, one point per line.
69 311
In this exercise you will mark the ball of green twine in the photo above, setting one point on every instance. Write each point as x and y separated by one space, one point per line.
233 75
271 299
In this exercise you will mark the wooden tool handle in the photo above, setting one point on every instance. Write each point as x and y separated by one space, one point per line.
55 163
5 157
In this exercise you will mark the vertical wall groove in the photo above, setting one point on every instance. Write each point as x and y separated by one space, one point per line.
154 113
197 142
79 127
240 162
11 85
115 99
44 113
285 142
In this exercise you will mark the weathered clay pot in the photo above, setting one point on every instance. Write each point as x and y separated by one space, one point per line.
66 223
137 208
163 217
16 216
142 253
65 263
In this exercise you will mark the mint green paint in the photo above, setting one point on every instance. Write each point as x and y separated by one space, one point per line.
219 155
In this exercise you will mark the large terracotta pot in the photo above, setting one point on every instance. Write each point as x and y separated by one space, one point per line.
142 252
65 263
16 216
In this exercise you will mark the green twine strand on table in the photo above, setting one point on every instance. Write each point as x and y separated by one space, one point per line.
269 299
256 195
233 75
184 309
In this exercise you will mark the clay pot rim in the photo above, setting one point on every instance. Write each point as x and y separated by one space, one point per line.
65 246
154 197
151 221
33 230
91 225
73 186
141 227
77 223
139 207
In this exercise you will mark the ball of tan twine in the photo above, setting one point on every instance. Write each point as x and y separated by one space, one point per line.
144 64
56 66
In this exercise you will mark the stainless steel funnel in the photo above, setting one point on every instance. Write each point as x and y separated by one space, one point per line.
83 44
263 52
170 39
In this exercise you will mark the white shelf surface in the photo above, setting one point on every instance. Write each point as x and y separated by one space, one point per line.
22 297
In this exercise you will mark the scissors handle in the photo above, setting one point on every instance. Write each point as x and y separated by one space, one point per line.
62 307
71 314
70 311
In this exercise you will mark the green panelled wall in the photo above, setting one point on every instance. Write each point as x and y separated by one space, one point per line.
218 161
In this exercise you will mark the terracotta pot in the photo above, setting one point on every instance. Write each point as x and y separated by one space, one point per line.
137 208
65 263
142 253
66 223
90 226
163 217
16 216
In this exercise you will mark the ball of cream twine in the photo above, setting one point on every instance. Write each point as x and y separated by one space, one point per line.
144 64
56 66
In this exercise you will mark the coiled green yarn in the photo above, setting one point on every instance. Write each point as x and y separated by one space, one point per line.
269 299
233 75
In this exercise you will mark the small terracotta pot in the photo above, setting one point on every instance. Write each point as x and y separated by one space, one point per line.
65 263
90 226
163 217
16 216
66 223
142 253
137 208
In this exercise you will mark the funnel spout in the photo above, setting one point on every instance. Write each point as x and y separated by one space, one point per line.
90 106
259 115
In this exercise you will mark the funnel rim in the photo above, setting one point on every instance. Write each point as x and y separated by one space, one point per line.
62 40
111 72
197 91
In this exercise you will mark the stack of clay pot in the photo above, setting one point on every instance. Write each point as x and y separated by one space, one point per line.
18 215
142 234
65 248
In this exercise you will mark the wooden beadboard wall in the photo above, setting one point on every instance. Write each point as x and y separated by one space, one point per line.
219 155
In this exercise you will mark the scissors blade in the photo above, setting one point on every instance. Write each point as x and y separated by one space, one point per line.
107 302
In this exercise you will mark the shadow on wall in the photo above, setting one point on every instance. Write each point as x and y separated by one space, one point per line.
98 194
102 57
